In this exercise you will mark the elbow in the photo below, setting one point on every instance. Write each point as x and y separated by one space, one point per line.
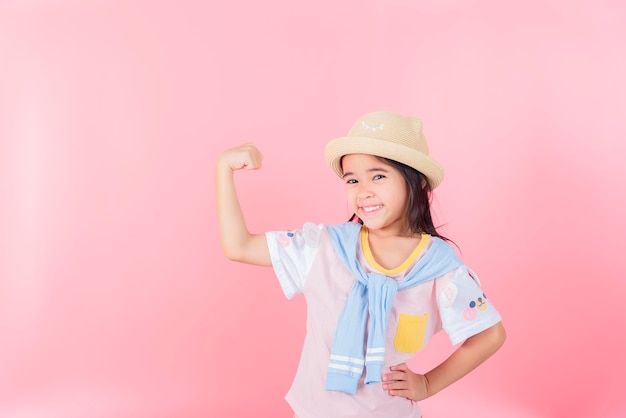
490 339
231 253
498 336
233 256
253 251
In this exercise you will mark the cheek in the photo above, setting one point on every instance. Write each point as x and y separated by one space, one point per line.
350 196
399 199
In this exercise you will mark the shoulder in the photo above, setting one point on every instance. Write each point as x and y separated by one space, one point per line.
346 228
347 232
442 253
441 245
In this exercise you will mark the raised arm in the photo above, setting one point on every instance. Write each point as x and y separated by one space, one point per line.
237 242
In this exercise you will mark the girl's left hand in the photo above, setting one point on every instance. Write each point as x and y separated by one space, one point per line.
403 382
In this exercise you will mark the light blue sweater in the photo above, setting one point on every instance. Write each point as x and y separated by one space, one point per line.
372 294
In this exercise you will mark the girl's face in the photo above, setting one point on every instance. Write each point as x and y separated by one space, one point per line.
376 192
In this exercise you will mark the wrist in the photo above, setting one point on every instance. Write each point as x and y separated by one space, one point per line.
223 167
427 386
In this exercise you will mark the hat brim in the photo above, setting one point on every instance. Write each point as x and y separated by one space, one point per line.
420 161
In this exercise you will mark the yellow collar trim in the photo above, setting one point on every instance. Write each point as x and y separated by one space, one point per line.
367 252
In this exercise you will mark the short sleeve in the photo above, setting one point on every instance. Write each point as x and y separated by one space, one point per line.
464 307
292 254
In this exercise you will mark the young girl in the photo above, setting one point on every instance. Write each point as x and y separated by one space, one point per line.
378 287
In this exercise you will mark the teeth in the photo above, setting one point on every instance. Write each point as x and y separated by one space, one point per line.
371 208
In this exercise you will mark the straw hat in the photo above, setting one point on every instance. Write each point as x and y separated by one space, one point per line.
389 135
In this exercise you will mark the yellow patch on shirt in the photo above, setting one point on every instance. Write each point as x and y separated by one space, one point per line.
410 333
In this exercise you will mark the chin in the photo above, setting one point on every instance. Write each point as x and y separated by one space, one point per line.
373 226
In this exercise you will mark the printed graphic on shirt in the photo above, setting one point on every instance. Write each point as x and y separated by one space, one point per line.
464 308
311 234
449 295
480 304
284 239
292 253
410 333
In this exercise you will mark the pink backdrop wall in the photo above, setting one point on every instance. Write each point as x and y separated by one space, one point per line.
115 299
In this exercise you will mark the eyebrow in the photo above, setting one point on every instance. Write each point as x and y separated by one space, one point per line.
370 170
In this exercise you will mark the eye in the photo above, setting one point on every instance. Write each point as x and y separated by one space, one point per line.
351 181
378 177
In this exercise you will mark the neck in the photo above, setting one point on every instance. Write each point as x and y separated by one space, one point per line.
401 232
392 254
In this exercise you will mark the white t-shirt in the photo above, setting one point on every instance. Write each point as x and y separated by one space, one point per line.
305 262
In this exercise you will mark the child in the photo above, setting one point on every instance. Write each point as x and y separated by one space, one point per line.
376 288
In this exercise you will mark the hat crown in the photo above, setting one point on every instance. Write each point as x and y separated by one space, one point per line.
393 128
388 135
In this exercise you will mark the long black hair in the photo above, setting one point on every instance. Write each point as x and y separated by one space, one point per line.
420 196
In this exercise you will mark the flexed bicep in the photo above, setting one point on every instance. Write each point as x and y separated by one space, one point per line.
237 242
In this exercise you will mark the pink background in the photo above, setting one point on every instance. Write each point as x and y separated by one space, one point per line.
115 298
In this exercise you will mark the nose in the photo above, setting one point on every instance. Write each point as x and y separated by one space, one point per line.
364 192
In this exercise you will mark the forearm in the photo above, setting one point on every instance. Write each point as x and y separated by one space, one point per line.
237 242
466 358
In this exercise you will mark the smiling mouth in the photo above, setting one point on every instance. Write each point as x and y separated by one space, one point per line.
370 209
